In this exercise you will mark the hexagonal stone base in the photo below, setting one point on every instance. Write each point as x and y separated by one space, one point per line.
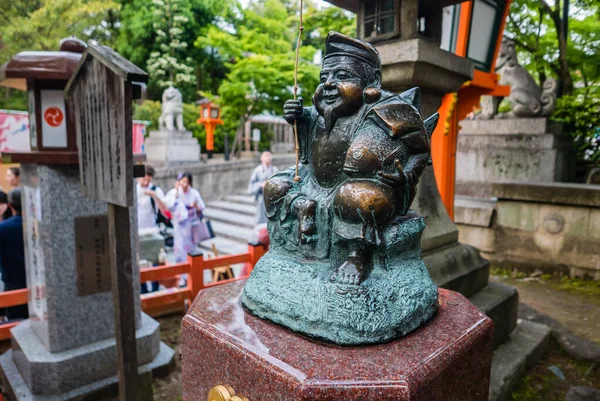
223 344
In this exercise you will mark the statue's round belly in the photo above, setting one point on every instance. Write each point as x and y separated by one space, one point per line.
365 201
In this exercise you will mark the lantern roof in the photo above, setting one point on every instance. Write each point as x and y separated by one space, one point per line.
353 5
42 65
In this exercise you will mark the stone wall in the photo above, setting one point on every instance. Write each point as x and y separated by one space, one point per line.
553 227
216 178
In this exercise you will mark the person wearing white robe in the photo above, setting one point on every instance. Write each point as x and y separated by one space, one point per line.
257 182
186 205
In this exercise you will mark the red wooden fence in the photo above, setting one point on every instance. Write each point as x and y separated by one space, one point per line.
162 302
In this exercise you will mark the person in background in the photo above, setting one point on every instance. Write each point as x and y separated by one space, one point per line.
13 177
150 200
5 210
5 213
257 182
150 209
12 254
186 206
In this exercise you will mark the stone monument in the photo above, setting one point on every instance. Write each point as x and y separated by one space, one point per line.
519 145
172 144
67 349
344 265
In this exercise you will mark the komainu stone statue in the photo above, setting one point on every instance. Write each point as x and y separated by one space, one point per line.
345 259
526 98
172 110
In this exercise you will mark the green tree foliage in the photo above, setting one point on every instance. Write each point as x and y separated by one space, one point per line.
257 45
40 25
318 21
537 29
138 38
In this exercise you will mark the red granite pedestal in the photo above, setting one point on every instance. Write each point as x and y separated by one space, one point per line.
223 344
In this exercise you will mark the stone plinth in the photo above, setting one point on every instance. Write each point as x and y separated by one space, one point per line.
447 359
67 348
167 148
526 149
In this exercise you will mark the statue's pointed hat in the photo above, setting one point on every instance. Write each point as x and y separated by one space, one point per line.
337 44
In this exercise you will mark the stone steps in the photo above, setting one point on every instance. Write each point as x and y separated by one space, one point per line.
500 303
243 199
241 208
232 220
524 348
224 216
232 232
224 246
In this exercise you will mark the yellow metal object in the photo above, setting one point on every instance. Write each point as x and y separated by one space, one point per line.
224 393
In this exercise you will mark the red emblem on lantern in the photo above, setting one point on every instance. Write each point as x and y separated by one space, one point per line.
54 116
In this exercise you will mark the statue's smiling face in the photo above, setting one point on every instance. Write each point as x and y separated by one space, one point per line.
341 87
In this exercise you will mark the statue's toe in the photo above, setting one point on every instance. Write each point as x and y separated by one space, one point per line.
352 271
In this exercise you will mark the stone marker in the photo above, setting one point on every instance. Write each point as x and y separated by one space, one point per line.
67 349
172 144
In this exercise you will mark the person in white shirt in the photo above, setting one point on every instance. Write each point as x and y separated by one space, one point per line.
257 182
150 200
186 206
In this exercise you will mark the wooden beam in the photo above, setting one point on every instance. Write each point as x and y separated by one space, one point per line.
119 227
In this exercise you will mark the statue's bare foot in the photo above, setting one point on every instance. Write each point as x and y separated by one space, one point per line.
352 271
308 226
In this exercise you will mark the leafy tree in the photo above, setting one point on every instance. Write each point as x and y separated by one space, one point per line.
40 25
138 39
256 45
537 28
538 31
319 20
167 65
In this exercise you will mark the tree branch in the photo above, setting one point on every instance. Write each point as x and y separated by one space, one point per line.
525 46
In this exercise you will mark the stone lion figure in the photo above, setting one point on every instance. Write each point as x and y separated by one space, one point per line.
172 110
526 98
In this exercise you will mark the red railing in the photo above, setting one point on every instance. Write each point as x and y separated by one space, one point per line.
170 300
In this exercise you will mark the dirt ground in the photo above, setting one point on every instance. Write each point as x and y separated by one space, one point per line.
574 303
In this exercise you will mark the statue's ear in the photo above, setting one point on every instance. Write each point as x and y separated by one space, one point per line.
413 97
431 123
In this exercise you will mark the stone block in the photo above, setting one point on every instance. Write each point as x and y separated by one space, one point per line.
528 149
458 267
63 320
473 211
171 148
150 246
418 62
526 346
518 215
500 303
15 388
223 344
561 193
515 126
59 372
481 238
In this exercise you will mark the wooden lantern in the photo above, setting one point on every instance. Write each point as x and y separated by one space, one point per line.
44 75
210 117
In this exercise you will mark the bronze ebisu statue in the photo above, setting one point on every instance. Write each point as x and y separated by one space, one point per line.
344 263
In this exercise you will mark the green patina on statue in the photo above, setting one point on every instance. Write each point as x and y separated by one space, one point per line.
345 259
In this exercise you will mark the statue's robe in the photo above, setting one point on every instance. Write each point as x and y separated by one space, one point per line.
391 129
